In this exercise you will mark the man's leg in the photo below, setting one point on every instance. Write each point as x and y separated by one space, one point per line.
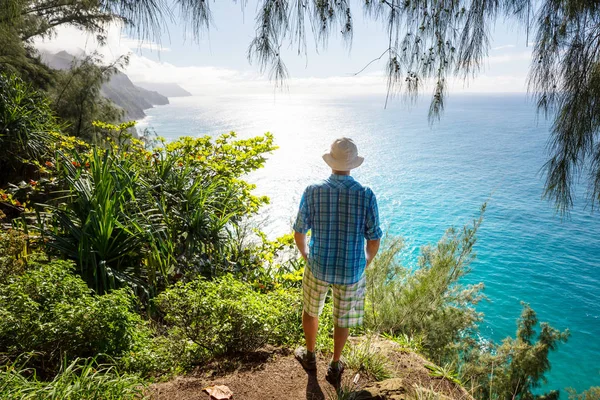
314 292
310 325
348 311
340 336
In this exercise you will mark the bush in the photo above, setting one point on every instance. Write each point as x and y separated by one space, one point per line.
13 247
227 316
592 393
429 302
517 367
52 314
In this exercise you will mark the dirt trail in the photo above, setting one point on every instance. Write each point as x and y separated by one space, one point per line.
280 376
274 373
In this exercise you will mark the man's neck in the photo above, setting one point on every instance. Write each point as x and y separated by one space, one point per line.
333 171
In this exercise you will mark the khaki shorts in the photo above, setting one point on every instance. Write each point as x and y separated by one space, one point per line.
348 300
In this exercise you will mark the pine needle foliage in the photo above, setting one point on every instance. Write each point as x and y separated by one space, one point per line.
430 302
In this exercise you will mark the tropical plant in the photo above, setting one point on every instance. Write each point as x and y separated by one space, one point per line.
406 343
101 224
197 184
26 124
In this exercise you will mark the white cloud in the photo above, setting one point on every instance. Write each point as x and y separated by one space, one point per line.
510 58
506 46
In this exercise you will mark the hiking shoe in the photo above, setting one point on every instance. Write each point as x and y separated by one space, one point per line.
334 375
308 363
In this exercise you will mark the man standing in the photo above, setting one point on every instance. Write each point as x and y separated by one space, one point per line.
341 214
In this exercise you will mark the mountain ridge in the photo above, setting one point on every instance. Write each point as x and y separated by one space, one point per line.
134 99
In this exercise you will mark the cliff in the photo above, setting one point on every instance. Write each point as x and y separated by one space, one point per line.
119 89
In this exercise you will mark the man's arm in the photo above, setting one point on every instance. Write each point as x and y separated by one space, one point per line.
371 250
300 239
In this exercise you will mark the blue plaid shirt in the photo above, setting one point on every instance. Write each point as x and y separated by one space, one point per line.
341 214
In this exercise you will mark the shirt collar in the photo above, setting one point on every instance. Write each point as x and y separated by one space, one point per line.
336 177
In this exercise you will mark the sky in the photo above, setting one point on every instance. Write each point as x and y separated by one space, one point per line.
217 63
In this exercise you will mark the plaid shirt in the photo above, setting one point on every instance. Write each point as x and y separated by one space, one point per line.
341 214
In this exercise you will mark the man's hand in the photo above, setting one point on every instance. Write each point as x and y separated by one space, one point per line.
300 239
372 249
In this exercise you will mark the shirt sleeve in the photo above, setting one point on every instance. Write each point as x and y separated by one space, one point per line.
303 223
372 229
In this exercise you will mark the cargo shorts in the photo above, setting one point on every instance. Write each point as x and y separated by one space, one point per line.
348 300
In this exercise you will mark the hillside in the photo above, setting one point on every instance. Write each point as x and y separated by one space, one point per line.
119 89
133 99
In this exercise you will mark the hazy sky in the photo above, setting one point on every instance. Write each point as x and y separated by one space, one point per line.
218 63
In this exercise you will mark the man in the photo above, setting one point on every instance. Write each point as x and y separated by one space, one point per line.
341 214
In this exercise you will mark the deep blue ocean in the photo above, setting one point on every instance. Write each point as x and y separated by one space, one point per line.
428 178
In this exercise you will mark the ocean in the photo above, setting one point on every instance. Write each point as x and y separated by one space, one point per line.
485 148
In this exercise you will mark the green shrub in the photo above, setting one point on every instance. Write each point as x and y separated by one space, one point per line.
51 313
517 367
13 249
592 393
227 316
79 380
429 302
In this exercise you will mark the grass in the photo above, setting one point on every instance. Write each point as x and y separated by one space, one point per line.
346 391
445 372
83 379
406 343
422 393
364 358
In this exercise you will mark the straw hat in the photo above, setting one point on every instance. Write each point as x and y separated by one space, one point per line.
343 155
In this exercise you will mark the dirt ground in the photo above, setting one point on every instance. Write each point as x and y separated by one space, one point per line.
273 374
270 375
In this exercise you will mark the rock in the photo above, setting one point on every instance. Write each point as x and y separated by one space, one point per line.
389 389
219 392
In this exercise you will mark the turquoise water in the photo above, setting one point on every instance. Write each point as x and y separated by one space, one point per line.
429 178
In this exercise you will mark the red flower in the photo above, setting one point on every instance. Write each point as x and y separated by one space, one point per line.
76 164
32 182
49 164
